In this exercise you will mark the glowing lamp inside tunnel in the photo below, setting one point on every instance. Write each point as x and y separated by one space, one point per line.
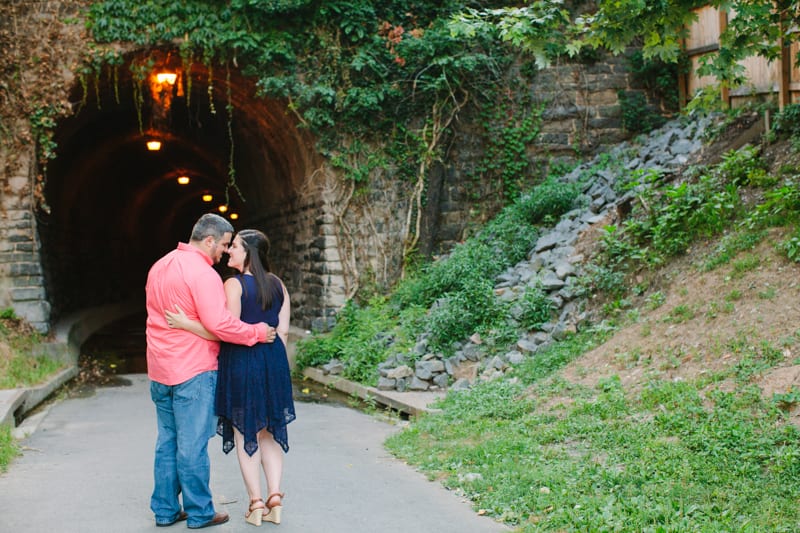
154 146
222 208
183 180
234 216
166 77
207 197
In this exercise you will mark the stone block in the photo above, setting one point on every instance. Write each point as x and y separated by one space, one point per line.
386 384
418 384
34 311
28 293
25 269
599 98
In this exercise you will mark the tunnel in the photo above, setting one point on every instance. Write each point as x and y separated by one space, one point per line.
111 206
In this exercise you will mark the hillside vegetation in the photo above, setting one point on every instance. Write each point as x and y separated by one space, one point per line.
677 410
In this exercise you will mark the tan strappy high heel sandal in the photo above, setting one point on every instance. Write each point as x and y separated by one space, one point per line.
274 513
255 514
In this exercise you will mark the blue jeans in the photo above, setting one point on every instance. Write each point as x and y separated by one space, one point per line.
186 421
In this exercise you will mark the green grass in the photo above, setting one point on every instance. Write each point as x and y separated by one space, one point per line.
731 245
8 447
22 370
674 458
19 369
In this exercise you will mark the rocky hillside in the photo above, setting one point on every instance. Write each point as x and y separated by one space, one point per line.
710 320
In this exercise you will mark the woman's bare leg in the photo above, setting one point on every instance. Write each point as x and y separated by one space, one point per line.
249 465
271 461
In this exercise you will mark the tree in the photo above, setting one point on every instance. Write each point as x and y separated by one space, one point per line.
755 28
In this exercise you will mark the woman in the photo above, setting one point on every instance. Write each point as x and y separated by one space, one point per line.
254 389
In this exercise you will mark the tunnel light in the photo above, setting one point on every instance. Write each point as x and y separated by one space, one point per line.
183 180
207 197
166 77
154 146
234 216
223 208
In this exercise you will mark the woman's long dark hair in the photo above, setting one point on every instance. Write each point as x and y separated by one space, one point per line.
256 246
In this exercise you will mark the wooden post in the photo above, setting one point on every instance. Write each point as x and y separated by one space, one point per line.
683 82
723 25
785 70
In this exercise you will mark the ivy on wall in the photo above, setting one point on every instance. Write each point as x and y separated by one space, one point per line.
344 66
378 84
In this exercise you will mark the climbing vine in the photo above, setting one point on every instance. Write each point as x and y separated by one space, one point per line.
33 37
231 168
511 132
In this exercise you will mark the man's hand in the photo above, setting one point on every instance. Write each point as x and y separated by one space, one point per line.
271 333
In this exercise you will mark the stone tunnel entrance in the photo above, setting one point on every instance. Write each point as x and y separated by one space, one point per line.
112 207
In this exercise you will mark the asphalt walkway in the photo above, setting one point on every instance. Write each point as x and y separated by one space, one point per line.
87 467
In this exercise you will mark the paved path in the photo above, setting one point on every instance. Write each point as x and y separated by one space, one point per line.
87 468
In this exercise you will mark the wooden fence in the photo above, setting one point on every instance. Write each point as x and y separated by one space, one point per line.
766 79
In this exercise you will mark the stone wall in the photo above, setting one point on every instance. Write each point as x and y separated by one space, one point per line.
21 281
582 117
305 252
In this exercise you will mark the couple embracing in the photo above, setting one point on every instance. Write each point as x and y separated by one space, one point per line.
240 389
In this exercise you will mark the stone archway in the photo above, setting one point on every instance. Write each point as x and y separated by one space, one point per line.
111 207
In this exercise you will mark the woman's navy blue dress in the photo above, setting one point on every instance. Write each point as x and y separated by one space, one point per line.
254 385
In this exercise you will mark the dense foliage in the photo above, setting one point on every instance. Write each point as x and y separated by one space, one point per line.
755 28
394 74
345 67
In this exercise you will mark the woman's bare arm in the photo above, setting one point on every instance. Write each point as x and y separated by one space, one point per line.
179 320
283 317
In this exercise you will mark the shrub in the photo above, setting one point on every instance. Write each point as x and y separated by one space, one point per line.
361 340
467 264
787 122
791 246
316 350
781 206
637 115
18 367
548 201
685 212
458 315
8 447
536 308
744 167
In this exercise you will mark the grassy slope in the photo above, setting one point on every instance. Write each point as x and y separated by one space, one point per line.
681 419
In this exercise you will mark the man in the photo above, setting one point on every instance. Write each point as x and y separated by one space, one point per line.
182 368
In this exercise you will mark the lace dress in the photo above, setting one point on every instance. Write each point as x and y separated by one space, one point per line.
254 386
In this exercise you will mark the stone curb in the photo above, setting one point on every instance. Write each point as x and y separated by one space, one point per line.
16 403
411 403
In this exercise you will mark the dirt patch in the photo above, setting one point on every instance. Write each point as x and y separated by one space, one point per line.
745 129
696 323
